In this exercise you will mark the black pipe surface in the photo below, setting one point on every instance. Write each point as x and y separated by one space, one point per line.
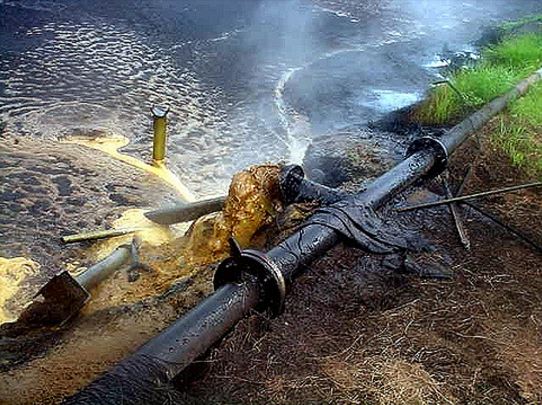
163 357
200 328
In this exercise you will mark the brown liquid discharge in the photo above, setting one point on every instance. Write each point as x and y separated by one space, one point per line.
13 272
151 233
166 257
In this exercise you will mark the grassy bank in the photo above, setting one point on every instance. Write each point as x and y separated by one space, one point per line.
501 65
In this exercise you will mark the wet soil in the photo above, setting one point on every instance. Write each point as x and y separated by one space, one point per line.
49 185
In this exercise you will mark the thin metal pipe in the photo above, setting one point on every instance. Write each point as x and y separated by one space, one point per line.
521 236
456 217
470 196
96 235
186 212
95 274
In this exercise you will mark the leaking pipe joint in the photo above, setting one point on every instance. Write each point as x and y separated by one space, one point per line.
159 125
296 188
251 280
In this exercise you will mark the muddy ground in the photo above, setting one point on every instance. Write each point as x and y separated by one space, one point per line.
352 332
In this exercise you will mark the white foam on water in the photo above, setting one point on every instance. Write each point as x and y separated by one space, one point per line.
386 101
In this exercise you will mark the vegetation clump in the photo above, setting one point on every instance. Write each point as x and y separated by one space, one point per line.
501 65
519 132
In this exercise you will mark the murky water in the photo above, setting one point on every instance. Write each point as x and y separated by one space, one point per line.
223 68
246 81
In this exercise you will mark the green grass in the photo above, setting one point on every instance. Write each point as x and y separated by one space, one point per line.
528 109
502 65
521 145
522 53
520 132
475 86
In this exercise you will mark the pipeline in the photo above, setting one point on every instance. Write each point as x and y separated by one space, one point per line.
252 280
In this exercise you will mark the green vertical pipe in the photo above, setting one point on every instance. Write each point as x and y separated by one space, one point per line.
159 115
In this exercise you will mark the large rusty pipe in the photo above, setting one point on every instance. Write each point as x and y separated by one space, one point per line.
189 337
170 352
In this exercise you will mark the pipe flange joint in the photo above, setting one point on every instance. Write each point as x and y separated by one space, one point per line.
248 264
290 180
435 146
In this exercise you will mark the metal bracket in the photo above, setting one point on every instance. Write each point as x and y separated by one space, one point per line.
429 143
63 297
253 263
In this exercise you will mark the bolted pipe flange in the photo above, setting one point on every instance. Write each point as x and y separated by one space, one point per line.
428 143
252 263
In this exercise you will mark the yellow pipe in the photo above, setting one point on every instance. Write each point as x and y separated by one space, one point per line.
159 115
